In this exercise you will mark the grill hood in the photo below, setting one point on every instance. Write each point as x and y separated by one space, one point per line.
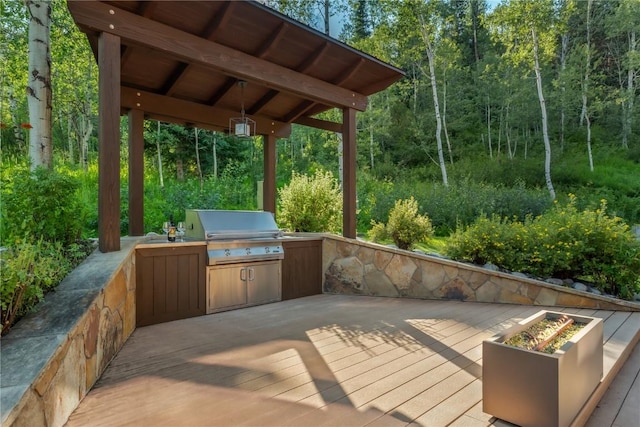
211 224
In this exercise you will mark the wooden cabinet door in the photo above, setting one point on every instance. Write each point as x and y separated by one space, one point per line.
301 268
170 283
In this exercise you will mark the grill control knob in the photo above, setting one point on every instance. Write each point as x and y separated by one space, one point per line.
267 249
227 252
248 251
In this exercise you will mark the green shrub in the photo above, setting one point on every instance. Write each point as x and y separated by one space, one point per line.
312 204
405 227
42 204
564 242
495 240
29 270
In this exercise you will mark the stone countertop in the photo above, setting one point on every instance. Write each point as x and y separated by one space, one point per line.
160 241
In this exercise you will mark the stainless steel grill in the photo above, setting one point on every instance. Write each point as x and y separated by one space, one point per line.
235 236
244 256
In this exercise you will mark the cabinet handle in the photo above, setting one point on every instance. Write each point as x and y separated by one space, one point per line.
252 274
243 274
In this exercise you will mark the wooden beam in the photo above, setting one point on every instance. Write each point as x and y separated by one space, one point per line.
272 41
179 111
312 60
349 173
109 143
208 33
189 48
298 111
229 83
262 102
349 72
319 124
136 173
269 178
221 17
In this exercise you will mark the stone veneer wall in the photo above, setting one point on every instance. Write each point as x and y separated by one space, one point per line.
52 358
355 267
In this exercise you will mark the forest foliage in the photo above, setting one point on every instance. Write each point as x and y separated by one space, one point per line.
463 134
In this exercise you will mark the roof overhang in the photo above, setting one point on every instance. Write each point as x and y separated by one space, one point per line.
181 62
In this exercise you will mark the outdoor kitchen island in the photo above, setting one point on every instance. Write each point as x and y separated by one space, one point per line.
194 277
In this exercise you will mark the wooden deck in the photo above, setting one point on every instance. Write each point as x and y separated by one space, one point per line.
330 360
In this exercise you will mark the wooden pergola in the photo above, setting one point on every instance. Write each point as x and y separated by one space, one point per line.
182 61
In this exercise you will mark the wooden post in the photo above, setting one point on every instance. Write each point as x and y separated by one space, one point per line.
349 173
109 143
269 184
136 173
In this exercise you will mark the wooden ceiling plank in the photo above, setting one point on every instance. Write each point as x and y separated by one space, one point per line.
349 72
183 112
208 33
177 74
313 60
219 20
146 8
222 91
298 111
137 30
262 102
272 41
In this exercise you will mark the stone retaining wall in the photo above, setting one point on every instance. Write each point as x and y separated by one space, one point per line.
52 358
362 268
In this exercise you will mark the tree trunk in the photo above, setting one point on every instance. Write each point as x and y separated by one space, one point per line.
371 146
585 85
627 112
543 109
70 141
159 158
215 156
563 88
327 30
179 170
489 128
436 106
198 159
474 20
39 83
444 120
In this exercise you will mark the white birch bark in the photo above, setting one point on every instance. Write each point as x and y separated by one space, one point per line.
563 88
627 124
543 109
585 85
434 87
39 83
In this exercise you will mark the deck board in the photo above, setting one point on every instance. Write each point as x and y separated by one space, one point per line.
326 360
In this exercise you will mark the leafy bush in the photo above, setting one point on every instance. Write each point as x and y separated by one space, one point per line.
405 227
312 204
564 242
29 270
43 204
